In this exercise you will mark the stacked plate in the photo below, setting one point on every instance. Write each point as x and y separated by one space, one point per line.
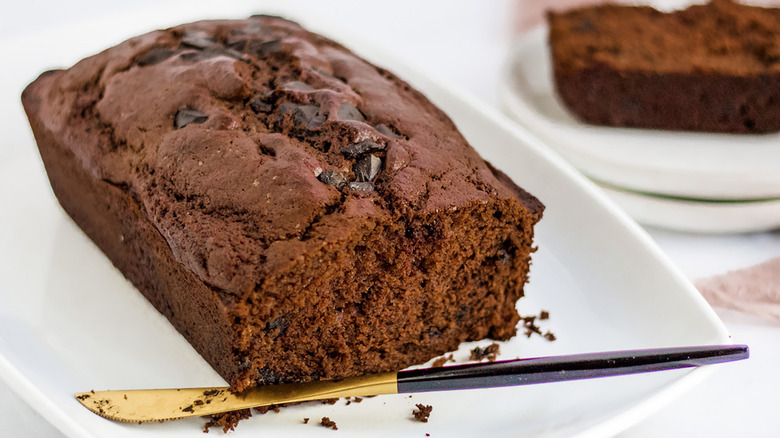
712 183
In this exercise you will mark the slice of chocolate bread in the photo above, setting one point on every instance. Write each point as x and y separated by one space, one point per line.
713 67
296 212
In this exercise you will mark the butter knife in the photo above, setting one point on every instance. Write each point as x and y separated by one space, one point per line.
141 405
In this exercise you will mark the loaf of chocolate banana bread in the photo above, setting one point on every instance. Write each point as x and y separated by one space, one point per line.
296 212
712 67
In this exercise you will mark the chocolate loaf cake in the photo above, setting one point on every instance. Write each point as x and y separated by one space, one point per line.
296 212
713 67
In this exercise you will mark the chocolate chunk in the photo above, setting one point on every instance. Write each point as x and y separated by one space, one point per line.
239 45
329 75
265 48
259 105
155 55
503 257
324 73
279 324
197 40
357 149
297 86
387 131
226 52
364 186
301 114
349 112
367 168
185 116
332 177
191 56
316 122
267 377
211 52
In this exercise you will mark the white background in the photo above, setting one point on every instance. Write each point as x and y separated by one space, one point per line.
465 43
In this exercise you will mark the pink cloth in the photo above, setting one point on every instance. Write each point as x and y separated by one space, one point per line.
754 290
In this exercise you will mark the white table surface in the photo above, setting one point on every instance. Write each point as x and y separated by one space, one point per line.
464 43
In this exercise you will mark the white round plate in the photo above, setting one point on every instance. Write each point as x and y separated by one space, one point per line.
698 216
686 164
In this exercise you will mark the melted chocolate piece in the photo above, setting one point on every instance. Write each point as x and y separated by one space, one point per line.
332 177
239 45
267 377
277 324
197 40
361 186
259 105
211 52
367 168
297 86
316 122
349 112
387 131
327 75
503 257
302 114
277 327
357 149
186 116
155 55
264 48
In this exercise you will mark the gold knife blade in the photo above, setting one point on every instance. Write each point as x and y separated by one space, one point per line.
141 405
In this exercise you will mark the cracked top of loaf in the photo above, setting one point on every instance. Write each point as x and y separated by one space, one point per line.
249 143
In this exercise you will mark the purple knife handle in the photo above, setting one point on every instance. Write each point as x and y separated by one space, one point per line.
562 368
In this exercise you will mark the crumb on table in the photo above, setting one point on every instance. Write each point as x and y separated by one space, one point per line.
327 422
227 420
422 412
490 352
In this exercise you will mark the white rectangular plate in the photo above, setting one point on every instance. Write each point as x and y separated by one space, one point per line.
70 322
